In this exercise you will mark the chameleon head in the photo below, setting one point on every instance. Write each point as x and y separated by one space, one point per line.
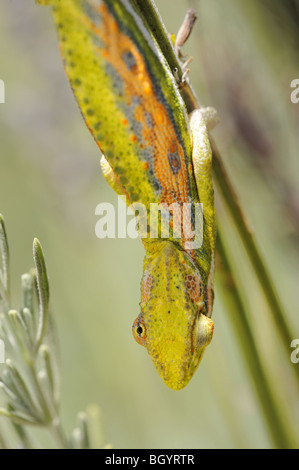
173 324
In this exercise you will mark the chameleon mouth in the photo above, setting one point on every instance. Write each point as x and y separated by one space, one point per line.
172 362
177 361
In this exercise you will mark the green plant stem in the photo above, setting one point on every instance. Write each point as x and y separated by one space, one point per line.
222 180
3 444
277 425
154 21
23 437
229 195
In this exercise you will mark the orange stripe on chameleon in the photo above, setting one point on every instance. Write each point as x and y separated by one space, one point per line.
168 155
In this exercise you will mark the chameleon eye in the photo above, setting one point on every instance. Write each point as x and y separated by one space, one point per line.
139 331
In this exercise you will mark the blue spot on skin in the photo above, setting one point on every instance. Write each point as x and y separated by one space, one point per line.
175 162
129 60
117 81
147 154
148 120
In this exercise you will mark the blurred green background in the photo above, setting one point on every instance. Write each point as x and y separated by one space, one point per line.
245 55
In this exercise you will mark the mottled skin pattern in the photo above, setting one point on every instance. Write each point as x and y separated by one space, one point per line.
153 152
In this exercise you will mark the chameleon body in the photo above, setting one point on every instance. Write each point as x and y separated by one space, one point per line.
153 153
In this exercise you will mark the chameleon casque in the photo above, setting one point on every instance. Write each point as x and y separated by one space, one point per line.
153 152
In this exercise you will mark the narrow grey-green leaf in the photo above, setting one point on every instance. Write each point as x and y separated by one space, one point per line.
95 427
21 333
76 439
48 369
27 283
27 318
4 252
21 390
43 290
18 417
83 426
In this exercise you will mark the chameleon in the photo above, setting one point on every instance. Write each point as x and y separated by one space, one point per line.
152 152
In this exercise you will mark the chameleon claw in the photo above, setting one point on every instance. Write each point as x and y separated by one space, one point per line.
186 71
